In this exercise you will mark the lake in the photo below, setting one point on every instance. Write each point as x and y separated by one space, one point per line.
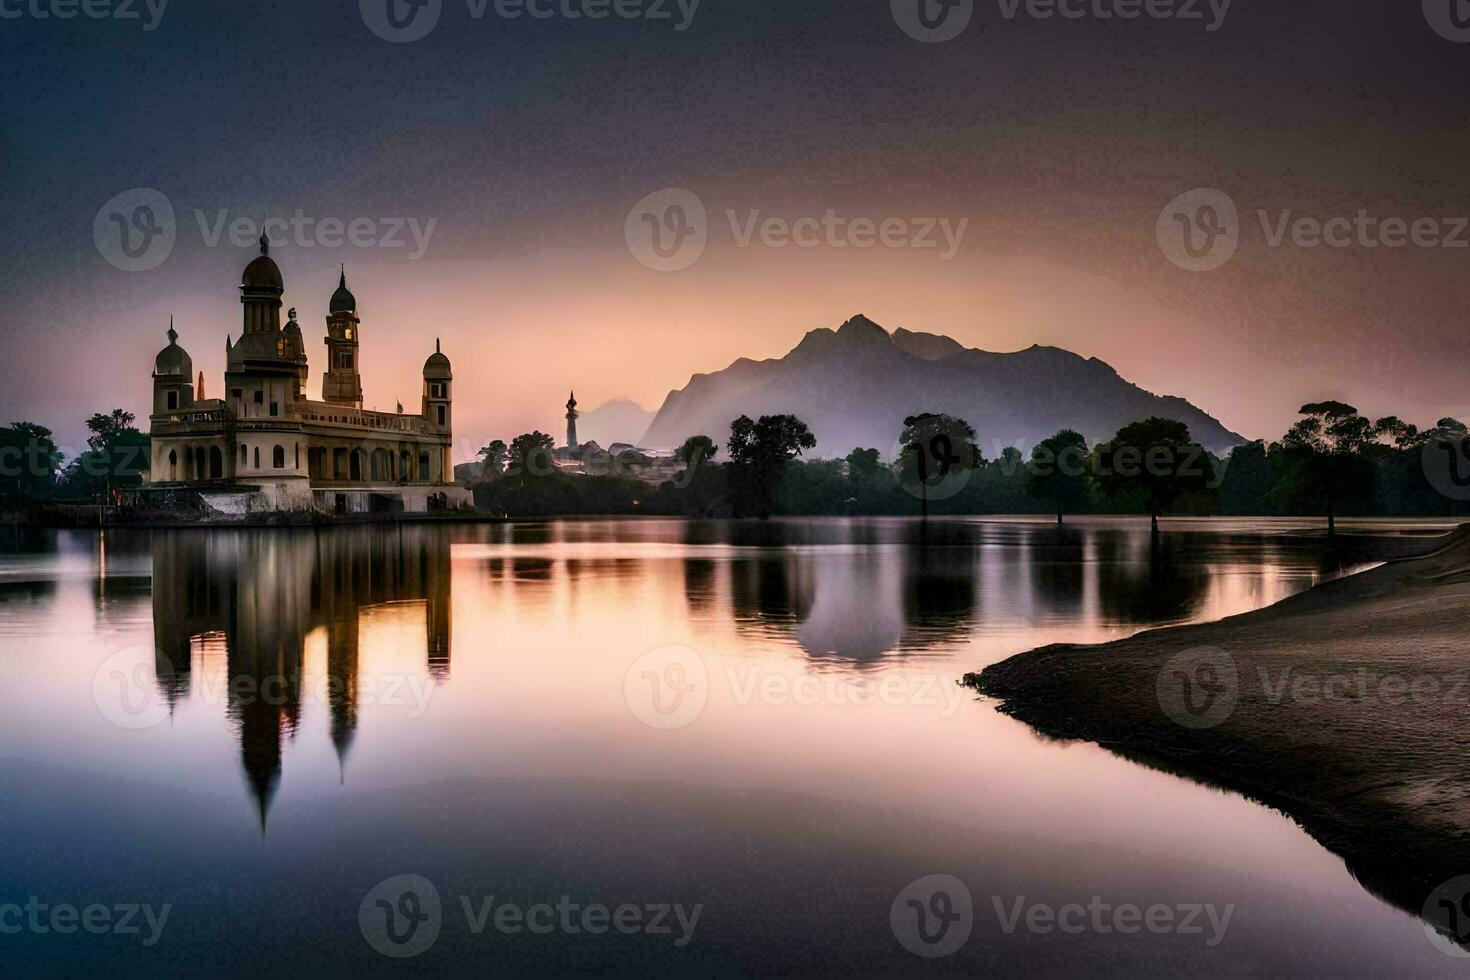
633 747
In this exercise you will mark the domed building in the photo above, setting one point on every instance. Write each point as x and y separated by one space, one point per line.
265 446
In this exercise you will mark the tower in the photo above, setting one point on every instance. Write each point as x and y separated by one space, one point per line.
572 416
438 377
260 292
173 386
342 384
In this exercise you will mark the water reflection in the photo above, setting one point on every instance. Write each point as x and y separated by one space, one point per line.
251 599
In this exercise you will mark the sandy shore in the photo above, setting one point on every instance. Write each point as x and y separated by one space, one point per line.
1346 707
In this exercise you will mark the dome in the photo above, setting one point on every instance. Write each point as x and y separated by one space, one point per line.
173 360
262 272
437 366
342 300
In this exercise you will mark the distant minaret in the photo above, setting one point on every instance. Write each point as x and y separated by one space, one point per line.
572 417
199 391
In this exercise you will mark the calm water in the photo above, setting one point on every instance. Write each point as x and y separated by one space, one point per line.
757 724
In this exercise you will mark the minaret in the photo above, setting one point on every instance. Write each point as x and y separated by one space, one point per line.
342 384
572 417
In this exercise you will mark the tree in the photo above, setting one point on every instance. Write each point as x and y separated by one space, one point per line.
530 454
494 457
759 453
1155 460
29 460
117 455
1327 452
863 464
1058 471
937 453
696 450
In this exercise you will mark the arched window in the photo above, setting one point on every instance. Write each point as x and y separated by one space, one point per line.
173 464
278 458
257 457
173 400
216 463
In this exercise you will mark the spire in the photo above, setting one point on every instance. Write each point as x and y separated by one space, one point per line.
342 282
199 389
265 242
436 346
173 335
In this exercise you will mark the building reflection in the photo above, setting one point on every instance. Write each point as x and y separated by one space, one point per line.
251 598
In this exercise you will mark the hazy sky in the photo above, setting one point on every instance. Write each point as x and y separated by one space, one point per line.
518 147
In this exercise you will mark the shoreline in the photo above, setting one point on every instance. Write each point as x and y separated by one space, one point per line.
1311 709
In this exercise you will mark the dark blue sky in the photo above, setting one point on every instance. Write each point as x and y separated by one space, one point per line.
1061 139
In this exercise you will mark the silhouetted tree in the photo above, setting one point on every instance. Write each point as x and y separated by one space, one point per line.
1155 460
937 452
1058 471
863 464
28 462
117 456
696 450
530 455
759 453
1327 457
494 456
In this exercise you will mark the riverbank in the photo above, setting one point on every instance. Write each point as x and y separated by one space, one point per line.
1343 707
86 517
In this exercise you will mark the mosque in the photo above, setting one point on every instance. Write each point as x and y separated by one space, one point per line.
265 447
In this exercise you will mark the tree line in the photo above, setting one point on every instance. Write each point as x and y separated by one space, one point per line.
1333 461
34 469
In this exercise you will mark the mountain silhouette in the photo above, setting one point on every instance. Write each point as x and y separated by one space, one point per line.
619 420
855 385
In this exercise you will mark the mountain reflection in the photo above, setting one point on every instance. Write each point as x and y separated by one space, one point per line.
251 598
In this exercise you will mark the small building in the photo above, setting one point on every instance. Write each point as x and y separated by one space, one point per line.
265 447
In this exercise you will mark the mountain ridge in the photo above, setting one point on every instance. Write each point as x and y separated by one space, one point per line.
854 385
